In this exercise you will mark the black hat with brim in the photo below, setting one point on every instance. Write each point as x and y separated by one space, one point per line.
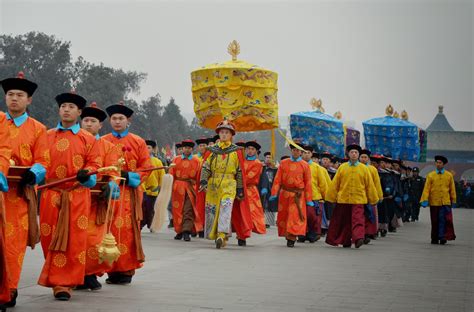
284 157
315 155
188 143
353 147
19 84
178 145
151 143
365 152
326 155
308 148
95 112
441 158
267 154
240 143
253 144
119 109
202 141
71 98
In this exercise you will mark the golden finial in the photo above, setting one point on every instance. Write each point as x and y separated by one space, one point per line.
234 49
396 114
440 109
317 104
389 110
338 115
404 115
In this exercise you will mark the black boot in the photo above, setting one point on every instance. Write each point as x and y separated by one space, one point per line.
366 240
170 226
13 296
383 233
443 241
242 242
359 243
301 239
92 283
434 241
194 234
290 243
201 234
179 236
186 237
118 279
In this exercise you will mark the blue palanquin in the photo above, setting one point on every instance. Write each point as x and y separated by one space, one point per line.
392 135
322 131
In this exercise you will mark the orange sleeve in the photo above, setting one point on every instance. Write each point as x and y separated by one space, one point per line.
277 182
41 148
93 159
5 148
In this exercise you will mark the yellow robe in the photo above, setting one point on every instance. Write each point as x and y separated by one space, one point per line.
439 189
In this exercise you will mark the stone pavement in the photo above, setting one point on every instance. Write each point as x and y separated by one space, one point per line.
402 272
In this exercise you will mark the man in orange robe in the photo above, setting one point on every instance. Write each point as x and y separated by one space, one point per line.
253 170
65 208
128 212
5 154
30 149
92 119
293 185
183 201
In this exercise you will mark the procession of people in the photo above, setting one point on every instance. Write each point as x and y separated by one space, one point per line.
95 194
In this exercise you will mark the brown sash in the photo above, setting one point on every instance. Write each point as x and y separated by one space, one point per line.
60 236
298 192
30 196
137 214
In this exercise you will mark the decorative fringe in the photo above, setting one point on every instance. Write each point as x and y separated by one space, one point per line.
61 234
31 198
162 202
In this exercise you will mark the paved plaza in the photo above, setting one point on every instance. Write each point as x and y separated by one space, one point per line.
402 272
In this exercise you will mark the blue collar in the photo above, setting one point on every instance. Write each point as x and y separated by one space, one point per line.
440 171
120 135
18 121
189 157
296 160
251 157
310 162
74 129
199 154
353 164
97 136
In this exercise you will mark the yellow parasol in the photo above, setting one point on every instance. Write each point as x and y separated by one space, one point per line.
238 91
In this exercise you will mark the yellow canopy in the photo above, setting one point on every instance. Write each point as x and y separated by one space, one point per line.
241 92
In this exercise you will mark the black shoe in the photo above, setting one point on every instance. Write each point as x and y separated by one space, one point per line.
434 242
359 243
347 245
178 236
194 235
119 279
125 279
92 283
201 234
443 241
301 239
366 240
242 242
383 233
267 226
186 237
13 296
290 243
170 226
62 296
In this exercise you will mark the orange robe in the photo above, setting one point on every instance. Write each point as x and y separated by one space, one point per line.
292 176
29 144
69 154
127 217
185 174
95 232
5 154
253 171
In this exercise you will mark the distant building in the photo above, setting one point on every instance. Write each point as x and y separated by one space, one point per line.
458 146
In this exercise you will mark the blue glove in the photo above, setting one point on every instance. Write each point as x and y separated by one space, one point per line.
272 198
264 191
454 205
370 213
405 197
39 171
3 183
380 202
133 179
310 203
90 182
114 188
424 204
398 200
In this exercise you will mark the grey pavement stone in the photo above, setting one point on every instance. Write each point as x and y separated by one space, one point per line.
402 272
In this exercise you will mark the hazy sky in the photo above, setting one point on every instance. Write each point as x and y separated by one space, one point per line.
357 56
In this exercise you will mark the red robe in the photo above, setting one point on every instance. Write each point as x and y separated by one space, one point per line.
292 175
185 169
126 220
253 170
69 154
29 144
108 157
